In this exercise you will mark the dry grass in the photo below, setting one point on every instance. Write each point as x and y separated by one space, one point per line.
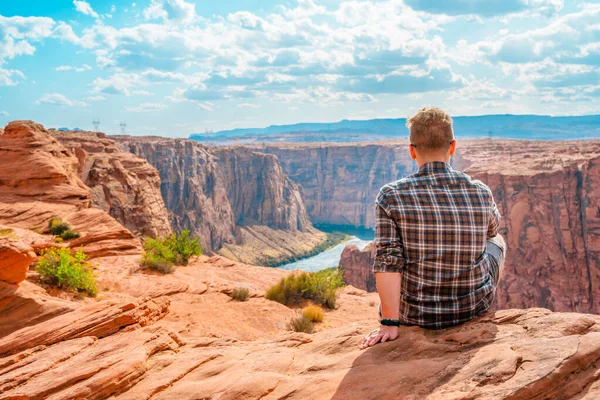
313 313
240 294
301 324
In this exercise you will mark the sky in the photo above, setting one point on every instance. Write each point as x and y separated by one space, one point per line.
175 67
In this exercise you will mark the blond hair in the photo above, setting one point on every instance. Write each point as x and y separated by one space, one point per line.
430 130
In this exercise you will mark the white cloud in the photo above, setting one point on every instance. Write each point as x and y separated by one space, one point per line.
248 105
174 10
85 8
4 114
95 98
113 8
142 93
83 68
208 106
59 100
144 107
10 77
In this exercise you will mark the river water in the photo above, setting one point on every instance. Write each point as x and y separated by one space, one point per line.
327 259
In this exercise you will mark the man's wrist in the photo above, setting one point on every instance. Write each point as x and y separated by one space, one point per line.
389 322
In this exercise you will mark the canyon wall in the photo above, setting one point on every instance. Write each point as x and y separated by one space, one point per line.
340 182
237 201
548 195
122 184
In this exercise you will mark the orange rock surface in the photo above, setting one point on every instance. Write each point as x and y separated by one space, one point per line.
39 180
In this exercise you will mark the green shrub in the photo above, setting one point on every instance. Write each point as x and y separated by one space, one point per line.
163 254
61 268
320 287
57 227
301 324
240 294
184 247
10 233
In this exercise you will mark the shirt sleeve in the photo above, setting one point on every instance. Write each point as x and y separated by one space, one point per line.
389 253
494 223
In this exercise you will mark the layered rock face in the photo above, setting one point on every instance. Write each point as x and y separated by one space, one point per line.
191 187
239 202
547 193
258 190
39 180
125 186
340 182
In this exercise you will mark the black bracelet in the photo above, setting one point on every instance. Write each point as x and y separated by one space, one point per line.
390 322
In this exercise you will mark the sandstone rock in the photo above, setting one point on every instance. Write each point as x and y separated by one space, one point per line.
498 356
99 320
27 304
125 186
258 190
238 202
39 180
191 188
356 265
15 257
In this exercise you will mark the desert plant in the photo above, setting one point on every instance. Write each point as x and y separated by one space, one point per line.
320 287
289 290
313 313
372 303
9 233
323 285
184 246
240 294
58 227
65 270
163 254
301 324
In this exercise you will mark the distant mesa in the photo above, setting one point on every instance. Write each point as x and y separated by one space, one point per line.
529 127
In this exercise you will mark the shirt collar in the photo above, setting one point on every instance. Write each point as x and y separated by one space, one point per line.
435 166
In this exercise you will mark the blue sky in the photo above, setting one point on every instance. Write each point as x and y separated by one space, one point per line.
173 67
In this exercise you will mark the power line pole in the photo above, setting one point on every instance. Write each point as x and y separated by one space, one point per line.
96 123
123 127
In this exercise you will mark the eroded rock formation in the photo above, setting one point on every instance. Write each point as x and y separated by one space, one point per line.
125 186
39 180
238 201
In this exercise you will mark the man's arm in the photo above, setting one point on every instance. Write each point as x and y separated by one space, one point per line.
389 261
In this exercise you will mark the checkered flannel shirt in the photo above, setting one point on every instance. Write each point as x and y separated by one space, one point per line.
432 228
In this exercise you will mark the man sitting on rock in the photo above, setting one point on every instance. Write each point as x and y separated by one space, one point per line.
438 252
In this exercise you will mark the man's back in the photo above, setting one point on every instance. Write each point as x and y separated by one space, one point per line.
432 227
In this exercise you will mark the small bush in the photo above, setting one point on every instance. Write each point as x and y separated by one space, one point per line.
301 324
57 227
61 268
163 254
320 287
289 290
313 313
240 294
10 233
372 303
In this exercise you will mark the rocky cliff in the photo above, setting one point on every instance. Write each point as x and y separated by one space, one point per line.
39 180
239 202
186 339
547 193
125 186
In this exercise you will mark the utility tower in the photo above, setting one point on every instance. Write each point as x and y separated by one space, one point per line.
96 123
123 127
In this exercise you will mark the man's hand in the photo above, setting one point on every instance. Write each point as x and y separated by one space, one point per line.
382 334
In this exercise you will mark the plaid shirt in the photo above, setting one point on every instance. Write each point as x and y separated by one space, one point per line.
432 228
